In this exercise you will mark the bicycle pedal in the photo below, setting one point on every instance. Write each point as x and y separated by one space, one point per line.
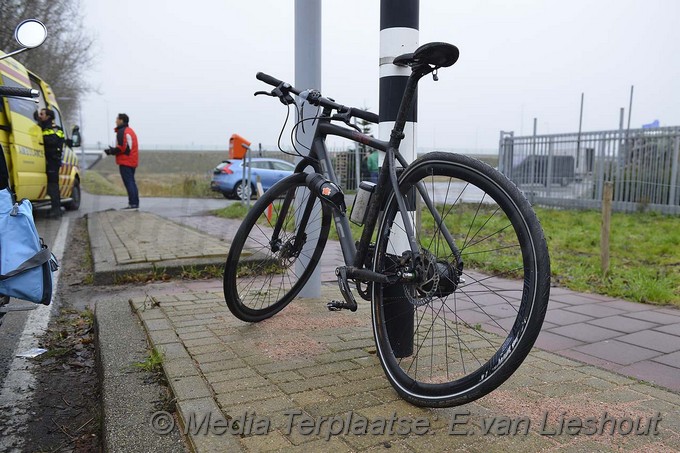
335 305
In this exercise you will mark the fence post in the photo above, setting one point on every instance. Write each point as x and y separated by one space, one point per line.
674 174
606 227
549 167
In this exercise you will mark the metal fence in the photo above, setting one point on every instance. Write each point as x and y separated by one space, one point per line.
569 170
344 164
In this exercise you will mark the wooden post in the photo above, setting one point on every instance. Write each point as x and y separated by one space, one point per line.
260 192
606 226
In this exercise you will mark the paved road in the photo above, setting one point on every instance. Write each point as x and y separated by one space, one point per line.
14 323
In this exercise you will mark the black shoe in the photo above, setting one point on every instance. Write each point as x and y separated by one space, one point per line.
130 208
53 214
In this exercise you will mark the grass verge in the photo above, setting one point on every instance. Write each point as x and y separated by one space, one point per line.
644 253
189 185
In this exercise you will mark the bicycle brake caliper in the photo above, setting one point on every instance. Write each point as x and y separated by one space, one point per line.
350 303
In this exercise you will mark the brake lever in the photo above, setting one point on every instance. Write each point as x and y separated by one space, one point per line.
345 118
284 97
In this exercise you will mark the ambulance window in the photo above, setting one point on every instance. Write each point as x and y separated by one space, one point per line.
41 99
25 107
42 103
57 118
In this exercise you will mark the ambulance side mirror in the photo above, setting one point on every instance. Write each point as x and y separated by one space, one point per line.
75 137
29 34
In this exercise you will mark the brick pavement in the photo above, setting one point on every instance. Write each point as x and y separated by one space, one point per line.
323 364
125 242
638 340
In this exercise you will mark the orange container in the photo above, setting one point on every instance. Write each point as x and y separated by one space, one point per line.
236 149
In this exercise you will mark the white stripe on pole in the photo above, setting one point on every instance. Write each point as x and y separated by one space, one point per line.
395 41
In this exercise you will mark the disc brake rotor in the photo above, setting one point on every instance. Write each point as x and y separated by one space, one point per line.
421 292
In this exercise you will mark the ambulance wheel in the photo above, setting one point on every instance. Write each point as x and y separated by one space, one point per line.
74 204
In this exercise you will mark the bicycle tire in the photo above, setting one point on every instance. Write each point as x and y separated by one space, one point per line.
426 332
259 280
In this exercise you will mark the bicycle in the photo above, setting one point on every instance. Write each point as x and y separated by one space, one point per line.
441 220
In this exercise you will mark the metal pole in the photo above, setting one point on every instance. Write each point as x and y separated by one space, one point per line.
580 123
580 118
628 145
308 75
630 105
398 35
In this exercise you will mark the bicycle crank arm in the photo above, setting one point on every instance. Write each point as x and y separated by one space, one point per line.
365 275
350 303
345 273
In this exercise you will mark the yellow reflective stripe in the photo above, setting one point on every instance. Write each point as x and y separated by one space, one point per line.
59 133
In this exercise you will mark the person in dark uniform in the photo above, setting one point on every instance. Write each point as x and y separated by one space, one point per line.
53 140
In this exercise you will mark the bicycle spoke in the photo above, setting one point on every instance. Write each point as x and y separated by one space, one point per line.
461 308
262 274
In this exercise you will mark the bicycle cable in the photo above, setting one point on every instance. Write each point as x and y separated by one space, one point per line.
294 131
283 128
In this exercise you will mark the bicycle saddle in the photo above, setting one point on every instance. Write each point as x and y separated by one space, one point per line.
438 54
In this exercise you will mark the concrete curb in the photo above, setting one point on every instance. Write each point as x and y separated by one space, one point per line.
192 393
128 398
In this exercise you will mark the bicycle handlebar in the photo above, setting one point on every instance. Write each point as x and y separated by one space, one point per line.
20 92
315 98
273 81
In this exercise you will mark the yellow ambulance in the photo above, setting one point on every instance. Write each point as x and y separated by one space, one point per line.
22 142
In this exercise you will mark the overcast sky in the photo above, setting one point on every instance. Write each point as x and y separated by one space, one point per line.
185 71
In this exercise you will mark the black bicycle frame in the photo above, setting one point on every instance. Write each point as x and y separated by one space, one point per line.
357 254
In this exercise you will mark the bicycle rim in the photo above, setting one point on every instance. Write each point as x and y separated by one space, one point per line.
444 342
262 273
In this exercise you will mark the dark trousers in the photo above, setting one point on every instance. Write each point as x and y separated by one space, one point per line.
128 175
53 188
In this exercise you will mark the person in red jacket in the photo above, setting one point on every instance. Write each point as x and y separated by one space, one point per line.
127 158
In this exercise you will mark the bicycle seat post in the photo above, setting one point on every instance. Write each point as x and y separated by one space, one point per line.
406 105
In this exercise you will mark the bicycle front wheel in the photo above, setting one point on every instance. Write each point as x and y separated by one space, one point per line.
468 319
270 258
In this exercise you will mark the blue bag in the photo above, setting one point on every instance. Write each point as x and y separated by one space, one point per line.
26 263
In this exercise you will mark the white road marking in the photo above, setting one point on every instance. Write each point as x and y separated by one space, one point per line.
20 381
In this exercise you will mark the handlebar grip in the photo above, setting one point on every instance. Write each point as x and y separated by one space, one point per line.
365 115
266 78
21 92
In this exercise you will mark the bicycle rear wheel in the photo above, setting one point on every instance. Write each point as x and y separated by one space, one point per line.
462 329
260 274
